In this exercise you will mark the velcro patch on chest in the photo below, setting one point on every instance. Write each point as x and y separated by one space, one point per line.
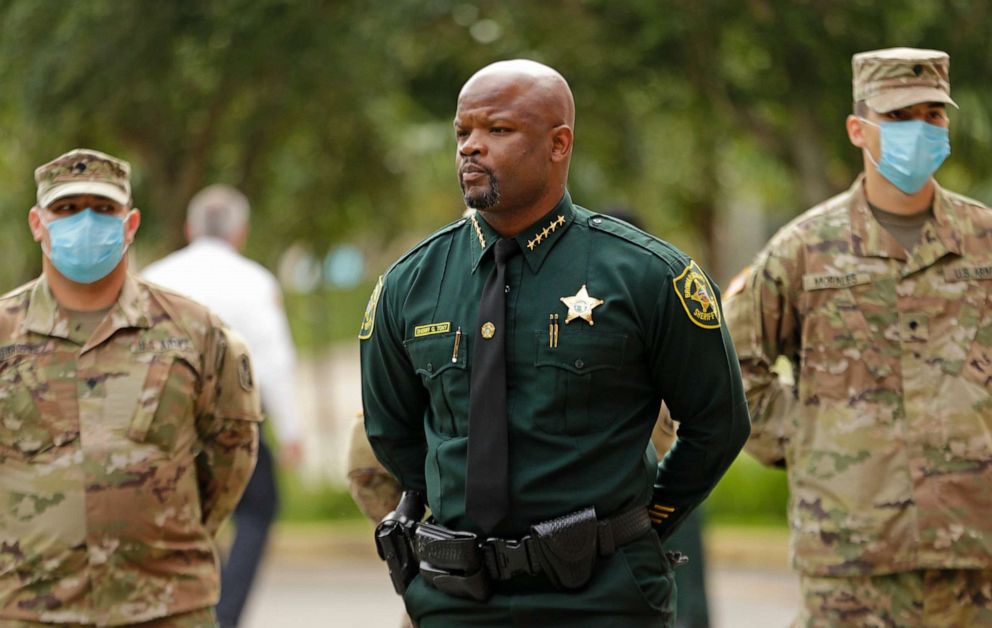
22 348
968 273
698 297
834 281
162 345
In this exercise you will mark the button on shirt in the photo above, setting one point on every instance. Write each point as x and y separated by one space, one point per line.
247 298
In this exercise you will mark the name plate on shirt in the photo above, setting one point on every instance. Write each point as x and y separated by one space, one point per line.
826 281
21 348
175 343
965 273
433 328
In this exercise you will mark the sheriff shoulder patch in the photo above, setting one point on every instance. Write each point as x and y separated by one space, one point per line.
698 297
368 321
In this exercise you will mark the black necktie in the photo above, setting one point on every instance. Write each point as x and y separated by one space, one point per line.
487 486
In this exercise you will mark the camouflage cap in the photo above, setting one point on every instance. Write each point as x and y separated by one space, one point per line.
83 171
893 78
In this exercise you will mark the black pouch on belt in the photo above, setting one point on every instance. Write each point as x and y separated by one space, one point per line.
568 548
450 561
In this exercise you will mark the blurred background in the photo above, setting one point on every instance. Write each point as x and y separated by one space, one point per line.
715 121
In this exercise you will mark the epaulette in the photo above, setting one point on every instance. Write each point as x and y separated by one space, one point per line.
448 228
19 290
964 200
673 257
179 307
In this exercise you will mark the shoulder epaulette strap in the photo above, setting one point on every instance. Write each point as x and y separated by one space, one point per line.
171 301
19 290
448 228
966 200
673 257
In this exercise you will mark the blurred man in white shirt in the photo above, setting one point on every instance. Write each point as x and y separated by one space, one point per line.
248 299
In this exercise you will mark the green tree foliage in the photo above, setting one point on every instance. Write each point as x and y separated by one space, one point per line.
335 116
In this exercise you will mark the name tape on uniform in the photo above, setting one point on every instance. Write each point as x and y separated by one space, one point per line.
433 328
965 273
827 281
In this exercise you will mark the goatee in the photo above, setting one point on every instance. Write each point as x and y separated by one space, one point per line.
483 201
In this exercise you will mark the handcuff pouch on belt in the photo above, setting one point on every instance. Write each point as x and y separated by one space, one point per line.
450 561
567 548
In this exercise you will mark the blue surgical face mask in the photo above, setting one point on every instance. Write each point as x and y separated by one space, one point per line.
85 247
912 150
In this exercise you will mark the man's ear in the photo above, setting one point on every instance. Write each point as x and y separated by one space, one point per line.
561 142
131 224
35 223
855 131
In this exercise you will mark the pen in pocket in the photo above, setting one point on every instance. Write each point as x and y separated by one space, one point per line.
454 351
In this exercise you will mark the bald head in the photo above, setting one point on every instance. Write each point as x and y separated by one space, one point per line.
514 131
548 89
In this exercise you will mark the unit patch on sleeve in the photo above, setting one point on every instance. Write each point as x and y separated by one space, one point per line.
697 297
244 373
368 321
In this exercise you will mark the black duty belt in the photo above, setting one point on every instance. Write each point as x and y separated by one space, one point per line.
564 549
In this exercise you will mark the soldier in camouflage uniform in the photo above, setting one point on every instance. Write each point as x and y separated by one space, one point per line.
879 298
375 490
128 423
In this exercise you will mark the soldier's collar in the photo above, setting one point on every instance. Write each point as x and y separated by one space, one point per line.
44 316
870 239
536 241
132 306
129 311
946 220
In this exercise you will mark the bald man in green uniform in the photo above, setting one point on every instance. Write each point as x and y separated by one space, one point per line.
513 365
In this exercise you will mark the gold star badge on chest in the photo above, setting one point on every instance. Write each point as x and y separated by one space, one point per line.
581 306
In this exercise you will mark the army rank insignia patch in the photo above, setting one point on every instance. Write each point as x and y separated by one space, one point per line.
368 321
697 297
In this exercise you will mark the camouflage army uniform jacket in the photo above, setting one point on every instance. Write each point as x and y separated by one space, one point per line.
120 456
887 434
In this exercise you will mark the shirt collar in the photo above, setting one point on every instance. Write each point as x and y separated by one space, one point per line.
535 241
211 243
44 316
940 236
869 238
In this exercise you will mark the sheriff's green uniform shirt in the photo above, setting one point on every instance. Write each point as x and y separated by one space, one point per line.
580 407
